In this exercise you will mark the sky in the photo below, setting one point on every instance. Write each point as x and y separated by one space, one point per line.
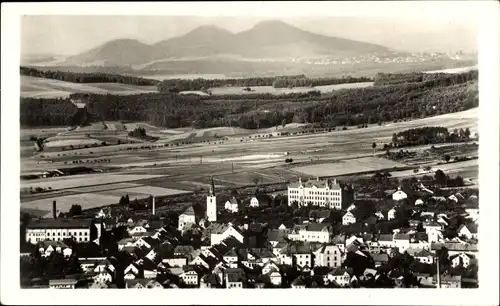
72 34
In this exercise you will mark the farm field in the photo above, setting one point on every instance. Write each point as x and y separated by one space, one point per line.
83 180
144 191
258 90
329 88
348 166
48 88
86 200
237 161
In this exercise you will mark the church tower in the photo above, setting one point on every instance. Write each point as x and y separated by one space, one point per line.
212 203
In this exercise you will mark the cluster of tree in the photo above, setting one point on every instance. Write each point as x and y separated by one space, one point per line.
291 81
81 77
342 108
444 180
428 135
139 132
178 85
288 160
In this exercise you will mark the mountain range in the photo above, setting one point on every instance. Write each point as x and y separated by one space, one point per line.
268 39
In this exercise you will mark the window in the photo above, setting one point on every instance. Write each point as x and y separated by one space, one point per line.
58 234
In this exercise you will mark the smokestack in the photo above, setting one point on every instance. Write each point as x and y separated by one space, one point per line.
153 206
438 273
54 210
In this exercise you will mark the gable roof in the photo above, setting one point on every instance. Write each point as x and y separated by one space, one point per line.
233 201
470 226
189 211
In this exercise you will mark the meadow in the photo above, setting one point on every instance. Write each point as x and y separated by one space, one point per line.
48 88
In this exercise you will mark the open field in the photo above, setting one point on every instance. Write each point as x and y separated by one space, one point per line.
348 166
86 200
258 90
144 191
237 161
48 88
329 88
82 180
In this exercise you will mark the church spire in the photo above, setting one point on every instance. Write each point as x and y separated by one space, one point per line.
212 186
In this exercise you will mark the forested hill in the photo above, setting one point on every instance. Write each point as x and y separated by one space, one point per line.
413 98
80 77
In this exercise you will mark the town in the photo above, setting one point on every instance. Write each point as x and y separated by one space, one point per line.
374 232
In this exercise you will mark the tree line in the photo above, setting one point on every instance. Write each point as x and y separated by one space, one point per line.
416 77
369 105
82 77
178 85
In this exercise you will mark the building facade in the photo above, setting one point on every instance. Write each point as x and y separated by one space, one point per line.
322 193
57 230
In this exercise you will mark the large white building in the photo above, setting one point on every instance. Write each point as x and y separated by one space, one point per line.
317 192
312 232
58 229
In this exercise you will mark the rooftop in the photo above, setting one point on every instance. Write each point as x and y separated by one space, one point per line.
59 223
316 183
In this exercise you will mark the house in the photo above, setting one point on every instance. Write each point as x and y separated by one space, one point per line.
339 276
231 258
131 271
235 278
58 230
453 198
419 202
104 265
468 230
190 275
402 242
142 283
296 254
319 215
391 214
260 200
104 276
299 283
269 267
312 232
45 248
328 256
188 217
175 261
433 230
456 247
399 195
421 255
274 277
322 193
222 231
348 218
66 283
463 259
232 205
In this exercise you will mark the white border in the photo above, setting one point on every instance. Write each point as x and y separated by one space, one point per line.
488 164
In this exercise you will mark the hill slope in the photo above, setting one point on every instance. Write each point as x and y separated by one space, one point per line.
267 39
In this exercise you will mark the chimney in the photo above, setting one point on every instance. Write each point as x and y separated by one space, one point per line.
153 206
54 209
